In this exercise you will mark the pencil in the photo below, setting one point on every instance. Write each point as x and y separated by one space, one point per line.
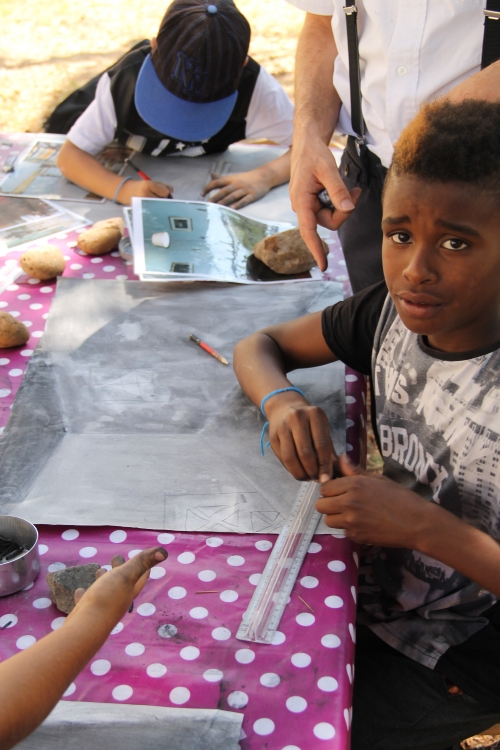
139 171
208 349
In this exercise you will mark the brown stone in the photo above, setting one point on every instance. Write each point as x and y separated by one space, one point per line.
286 252
116 222
64 583
44 263
100 239
12 331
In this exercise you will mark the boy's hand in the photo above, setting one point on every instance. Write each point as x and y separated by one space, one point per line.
300 436
238 190
114 591
373 509
143 189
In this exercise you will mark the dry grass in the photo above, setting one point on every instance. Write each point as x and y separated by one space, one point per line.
49 49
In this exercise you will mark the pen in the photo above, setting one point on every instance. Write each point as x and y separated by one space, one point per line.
139 171
208 349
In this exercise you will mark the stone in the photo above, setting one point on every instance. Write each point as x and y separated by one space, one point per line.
12 331
286 252
64 583
116 222
44 263
102 238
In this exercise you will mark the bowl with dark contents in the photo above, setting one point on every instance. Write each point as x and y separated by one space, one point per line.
19 558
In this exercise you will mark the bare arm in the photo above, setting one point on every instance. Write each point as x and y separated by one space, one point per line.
299 433
317 107
84 170
401 518
32 681
482 85
238 190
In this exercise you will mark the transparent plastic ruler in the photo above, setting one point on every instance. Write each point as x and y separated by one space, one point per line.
260 621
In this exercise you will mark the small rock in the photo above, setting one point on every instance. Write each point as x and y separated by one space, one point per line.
12 331
64 583
103 237
116 222
44 263
286 252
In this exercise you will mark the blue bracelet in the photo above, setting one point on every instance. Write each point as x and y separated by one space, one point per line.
266 398
122 183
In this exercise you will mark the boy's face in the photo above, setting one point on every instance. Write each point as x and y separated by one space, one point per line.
441 258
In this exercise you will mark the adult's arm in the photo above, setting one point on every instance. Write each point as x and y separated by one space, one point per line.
482 85
32 681
298 432
317 107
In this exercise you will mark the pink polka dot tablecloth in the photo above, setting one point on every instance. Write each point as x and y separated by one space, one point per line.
178 646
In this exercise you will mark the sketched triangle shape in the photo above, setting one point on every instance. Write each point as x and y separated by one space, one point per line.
209 510
195 522
231 520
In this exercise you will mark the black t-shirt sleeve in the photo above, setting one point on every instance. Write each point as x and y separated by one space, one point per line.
349 326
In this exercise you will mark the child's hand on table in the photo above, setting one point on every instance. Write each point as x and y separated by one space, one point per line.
372 509
300 436
143 189
238 190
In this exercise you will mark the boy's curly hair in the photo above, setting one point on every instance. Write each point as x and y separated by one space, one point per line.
452 142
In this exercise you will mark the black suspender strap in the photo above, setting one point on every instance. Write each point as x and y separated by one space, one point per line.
491 39
490 54
351 15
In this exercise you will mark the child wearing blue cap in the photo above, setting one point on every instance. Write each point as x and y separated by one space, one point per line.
192 91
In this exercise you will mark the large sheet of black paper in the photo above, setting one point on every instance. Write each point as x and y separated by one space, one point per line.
122 420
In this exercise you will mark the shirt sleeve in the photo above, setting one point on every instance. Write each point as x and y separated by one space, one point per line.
318 7
95 128
270 113
349 327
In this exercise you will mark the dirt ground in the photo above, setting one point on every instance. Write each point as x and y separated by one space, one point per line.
49 49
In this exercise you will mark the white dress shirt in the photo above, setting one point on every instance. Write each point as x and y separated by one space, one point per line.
411 52
270 115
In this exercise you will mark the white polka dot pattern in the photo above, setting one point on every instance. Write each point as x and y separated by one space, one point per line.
201 655
163 652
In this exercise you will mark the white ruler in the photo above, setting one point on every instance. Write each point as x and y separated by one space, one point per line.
260 621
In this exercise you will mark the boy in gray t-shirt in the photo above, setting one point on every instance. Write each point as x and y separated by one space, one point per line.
428 338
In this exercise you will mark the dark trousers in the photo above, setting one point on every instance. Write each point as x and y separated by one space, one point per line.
401 705
361 235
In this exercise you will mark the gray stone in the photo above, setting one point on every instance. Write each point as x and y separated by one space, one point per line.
64 583
286 252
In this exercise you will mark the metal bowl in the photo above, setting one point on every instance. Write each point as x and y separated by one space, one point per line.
18 573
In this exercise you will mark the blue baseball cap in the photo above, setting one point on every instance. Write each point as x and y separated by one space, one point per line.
187 87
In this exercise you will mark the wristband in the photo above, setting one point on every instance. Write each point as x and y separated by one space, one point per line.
263 403
122 183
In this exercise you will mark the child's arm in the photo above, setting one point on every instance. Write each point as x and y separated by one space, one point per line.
238 190
298 432
376 510
32 681
85 170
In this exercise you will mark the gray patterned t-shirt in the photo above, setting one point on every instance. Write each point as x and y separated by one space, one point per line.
438 422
